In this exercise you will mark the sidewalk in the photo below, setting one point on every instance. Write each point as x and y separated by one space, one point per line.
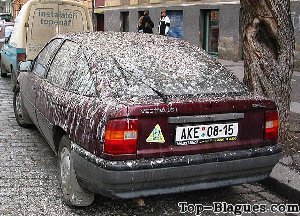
285 177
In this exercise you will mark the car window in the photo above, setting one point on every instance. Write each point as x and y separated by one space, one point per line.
80 80
61 65
70 70
44 58
7 31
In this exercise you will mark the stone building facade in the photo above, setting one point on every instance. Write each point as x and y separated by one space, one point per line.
211 24
214 25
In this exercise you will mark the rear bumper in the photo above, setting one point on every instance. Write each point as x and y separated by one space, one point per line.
145 177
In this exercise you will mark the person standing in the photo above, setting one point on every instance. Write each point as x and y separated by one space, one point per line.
164 23
145 23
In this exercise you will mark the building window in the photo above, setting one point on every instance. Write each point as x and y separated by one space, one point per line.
99 3
211 31
176 23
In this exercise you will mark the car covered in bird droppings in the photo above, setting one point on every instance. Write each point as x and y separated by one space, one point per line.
132 115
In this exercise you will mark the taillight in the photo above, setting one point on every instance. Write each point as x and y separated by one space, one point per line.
271 125
121 136
21 57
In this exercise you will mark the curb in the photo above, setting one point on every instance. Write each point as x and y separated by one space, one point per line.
285 178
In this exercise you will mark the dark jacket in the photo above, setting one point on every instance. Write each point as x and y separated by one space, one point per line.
146 24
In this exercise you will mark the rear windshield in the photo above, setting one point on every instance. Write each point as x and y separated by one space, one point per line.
133 68
130 66
182 78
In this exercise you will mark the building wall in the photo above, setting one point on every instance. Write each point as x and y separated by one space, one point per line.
189 23
230 43
229 31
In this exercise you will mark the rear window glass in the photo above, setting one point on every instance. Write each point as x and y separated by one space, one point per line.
130 66
184 79
172 74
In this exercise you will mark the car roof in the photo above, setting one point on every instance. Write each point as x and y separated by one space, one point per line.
106 39
140 46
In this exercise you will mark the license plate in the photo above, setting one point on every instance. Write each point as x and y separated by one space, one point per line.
206 133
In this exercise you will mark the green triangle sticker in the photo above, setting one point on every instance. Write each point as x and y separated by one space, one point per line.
156 135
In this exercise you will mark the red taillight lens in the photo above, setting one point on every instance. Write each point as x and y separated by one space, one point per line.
271 125
21 57
121 136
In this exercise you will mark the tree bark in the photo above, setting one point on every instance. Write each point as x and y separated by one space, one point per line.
268 39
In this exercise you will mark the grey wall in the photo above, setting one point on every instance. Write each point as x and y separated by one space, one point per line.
112 20
230 38
191 26
229 32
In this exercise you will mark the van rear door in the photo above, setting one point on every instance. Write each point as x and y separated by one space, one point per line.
49 19
75 18
42 26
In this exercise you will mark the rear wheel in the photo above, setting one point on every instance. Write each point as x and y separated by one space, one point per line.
3 70
72 193
21 114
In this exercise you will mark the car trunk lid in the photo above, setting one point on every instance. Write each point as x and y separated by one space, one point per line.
200 127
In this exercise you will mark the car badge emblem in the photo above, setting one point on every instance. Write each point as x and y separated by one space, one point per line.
156 135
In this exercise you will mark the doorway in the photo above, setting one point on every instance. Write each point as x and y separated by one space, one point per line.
100 22
210 40
124 27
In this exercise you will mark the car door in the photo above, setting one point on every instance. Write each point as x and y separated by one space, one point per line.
31 85
51 108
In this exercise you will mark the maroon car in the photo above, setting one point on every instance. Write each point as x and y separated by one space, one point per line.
132 115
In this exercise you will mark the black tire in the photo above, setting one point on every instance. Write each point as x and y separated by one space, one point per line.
13 79
72 193
3 70
21 114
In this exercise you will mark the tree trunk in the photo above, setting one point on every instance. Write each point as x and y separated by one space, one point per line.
268 38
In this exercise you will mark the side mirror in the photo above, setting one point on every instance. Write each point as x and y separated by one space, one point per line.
25 66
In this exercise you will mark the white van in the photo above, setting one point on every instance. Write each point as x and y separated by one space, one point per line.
37 22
